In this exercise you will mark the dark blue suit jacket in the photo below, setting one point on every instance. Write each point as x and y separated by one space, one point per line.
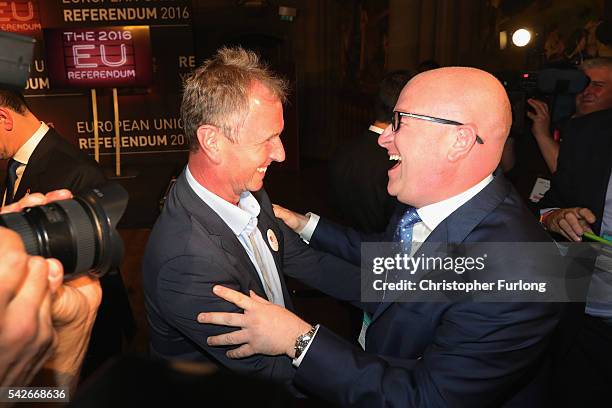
440 354
191 249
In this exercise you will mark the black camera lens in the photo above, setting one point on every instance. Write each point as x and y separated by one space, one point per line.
81 232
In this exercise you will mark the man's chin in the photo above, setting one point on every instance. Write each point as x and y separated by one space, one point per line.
392 190
256 185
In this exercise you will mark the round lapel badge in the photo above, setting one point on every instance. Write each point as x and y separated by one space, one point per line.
272 240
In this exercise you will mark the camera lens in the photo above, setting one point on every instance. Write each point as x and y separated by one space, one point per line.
80 232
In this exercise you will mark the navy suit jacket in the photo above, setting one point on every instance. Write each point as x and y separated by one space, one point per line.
56 164
440 354
191 249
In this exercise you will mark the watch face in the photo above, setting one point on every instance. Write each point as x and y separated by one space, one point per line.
302 341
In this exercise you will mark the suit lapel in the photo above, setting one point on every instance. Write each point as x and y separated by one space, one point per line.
267 226
458 225
4 184
217 229
37 164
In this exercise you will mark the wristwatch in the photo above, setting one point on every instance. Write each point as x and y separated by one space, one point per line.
303 340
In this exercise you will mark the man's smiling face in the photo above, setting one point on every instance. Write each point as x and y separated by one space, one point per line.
258 143
597 95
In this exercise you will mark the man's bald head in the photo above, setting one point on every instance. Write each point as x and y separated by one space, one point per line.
438 160
467 95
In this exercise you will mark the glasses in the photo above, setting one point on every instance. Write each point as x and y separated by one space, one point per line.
397 116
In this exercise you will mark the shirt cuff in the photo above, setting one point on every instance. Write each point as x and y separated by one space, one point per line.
298 361
545 213
309 228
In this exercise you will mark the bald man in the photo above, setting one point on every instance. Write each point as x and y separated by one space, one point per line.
447 135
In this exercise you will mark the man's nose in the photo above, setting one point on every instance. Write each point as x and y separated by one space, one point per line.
588 90
278 151
386 137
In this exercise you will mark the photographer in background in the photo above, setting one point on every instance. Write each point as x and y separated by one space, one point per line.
579 190
579 200
45 323
597 96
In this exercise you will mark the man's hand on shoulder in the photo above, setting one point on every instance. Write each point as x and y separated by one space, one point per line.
293 220
263 328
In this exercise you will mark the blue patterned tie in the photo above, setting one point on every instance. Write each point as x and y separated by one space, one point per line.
11 178
403 233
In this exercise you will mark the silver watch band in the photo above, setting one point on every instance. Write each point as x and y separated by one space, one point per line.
303 340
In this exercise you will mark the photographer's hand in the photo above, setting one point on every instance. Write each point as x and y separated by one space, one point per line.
73 311
26 329
34 199
59 335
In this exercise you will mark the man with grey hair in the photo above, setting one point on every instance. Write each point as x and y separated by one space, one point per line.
218 224
597 96
580 201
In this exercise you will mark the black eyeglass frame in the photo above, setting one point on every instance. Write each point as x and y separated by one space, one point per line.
396 121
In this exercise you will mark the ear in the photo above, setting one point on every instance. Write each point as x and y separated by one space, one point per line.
209 141
465 138
6 119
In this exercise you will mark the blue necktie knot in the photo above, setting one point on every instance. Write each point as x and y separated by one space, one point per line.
403 232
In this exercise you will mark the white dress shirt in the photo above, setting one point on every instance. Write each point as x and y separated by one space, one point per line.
25 152
376 129
242 220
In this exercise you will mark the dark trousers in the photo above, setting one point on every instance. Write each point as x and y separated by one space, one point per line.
114 323
583 376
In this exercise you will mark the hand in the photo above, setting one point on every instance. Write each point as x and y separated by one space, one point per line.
58 335
265 328
35 199
570 222
74 309
540 118
26 330
293 220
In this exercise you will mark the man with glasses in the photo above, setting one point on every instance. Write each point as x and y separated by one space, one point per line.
447 137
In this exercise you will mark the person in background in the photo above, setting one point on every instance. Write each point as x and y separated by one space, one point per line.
358 175
596 97
579 201
40 161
